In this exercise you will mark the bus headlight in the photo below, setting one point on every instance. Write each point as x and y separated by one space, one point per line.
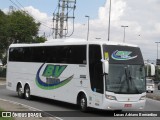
110 97
143 98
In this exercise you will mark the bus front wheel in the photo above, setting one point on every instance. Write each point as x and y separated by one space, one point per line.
83 103
27 92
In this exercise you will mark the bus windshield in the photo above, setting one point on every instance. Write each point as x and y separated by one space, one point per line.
126 69
126 79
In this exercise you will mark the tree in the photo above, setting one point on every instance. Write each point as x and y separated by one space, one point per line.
3 34
23 28
17 27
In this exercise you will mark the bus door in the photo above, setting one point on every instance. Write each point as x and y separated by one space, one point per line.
96 75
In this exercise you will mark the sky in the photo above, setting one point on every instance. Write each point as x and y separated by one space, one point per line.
141 16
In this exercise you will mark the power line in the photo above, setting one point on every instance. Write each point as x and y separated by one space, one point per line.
20 4
28 13
60 19
14 4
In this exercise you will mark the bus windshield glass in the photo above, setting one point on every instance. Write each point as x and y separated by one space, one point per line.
126 70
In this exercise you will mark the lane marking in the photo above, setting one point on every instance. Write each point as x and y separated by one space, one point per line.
31 108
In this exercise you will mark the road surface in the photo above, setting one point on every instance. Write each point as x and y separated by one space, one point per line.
72 110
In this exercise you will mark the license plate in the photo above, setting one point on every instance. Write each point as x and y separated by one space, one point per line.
127 105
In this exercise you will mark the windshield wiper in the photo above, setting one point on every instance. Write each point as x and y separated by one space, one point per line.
127 79
131 81
120 89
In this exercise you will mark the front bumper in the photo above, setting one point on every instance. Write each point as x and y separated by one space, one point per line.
116 105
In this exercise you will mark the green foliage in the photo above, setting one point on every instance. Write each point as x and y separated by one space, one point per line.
3 33
17 26
2 72
39 39
22 28
157 73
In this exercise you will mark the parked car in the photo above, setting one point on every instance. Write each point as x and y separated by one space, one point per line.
150 85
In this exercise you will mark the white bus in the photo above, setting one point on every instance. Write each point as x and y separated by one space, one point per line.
97 74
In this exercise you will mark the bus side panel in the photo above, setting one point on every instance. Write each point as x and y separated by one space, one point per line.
29 73
11 81
72 74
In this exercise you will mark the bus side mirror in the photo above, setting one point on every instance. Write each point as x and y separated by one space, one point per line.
106 66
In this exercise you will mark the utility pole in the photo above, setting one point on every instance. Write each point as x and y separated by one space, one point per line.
65 11
157 61
109 23
88 27
56 29
157 48
62 19
11 9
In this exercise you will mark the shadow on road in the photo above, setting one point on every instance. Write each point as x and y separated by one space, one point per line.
71 109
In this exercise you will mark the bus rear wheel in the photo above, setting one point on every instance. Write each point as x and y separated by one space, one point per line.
20 92
83 103
27 94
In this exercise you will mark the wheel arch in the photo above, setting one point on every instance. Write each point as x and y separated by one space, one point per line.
79 96
19 84
27 84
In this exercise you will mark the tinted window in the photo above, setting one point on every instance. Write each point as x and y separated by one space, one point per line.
66 54
50 54
27 54
95 68
16 54
123 54
38 54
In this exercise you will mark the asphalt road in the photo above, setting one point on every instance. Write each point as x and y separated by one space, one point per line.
72 110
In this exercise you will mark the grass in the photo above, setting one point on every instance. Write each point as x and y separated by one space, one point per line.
4 118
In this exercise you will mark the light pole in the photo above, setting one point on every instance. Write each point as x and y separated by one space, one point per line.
124 32
88 27
157 63
109 20
157 49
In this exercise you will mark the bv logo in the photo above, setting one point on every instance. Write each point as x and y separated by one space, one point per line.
122 55
53 70
52 74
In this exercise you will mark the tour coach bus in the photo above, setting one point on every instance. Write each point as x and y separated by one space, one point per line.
97 74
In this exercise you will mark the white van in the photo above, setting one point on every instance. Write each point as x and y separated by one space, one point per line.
150 85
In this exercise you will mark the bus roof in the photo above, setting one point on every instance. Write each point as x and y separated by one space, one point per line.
72 41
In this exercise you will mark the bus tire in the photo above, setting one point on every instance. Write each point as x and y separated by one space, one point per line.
83 103
27 94
19 91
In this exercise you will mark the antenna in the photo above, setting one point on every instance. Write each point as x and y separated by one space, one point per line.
65 12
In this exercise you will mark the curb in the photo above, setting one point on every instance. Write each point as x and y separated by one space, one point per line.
2 79
154 97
